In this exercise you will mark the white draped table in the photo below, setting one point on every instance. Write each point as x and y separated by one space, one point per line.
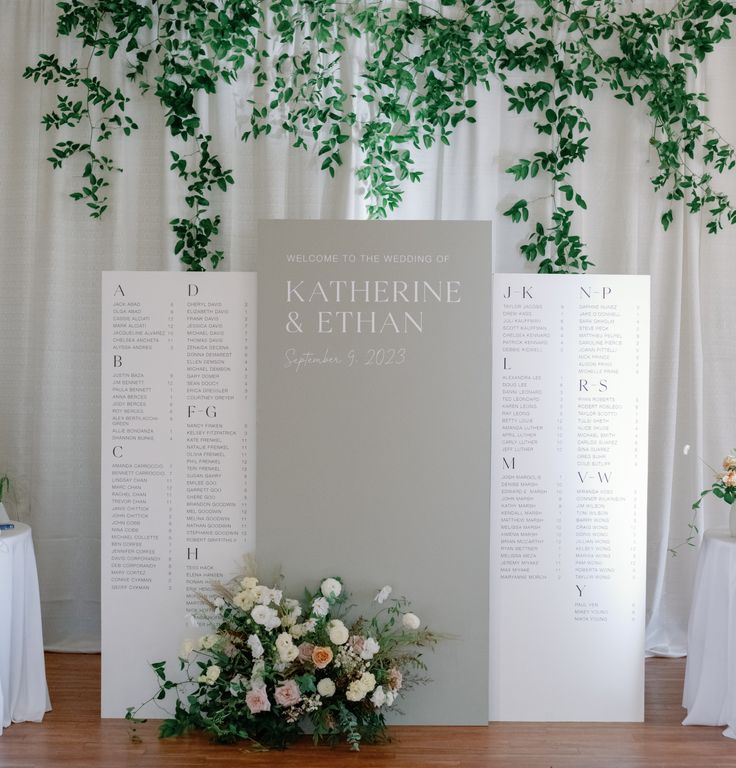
23 691
710 675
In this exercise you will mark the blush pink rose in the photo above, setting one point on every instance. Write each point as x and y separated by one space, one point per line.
257 700
287 694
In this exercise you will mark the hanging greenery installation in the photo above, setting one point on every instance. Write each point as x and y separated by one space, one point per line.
294 63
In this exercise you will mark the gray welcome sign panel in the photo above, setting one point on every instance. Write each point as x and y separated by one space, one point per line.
374 428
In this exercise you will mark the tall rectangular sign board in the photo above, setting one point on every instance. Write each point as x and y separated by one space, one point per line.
569 492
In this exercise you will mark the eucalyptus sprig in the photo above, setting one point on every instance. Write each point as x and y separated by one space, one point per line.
294 62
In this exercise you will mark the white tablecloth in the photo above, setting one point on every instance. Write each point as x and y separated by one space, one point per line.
23 691
710 675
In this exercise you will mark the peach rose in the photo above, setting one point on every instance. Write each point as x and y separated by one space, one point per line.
321 656
729 478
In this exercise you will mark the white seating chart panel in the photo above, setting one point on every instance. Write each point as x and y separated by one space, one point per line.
568 499
178 473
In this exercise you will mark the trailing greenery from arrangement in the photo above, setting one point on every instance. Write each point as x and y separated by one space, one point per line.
295 63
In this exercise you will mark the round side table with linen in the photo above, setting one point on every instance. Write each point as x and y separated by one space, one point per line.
23 691
710 674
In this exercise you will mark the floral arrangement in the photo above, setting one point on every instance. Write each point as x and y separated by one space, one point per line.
276 667
723 487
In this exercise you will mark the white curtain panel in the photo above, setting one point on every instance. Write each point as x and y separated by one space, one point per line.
51 256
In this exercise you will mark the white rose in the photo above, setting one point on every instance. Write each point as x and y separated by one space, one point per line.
338 632
265 616
249 582
297 630
286 648
245 600
379 697
355 691
208 642
293 606
264 595
320 606
331 587
383 594
326 687
211 675
411 621
370 649
273 621
255 645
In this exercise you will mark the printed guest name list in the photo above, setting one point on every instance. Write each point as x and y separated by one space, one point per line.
178 442
568 522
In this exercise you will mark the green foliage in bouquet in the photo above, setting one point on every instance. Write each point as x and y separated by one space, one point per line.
292 64
274 665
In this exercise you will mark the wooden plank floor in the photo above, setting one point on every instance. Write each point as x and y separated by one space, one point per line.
73 736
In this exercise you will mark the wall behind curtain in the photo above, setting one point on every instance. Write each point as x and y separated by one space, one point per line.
51 256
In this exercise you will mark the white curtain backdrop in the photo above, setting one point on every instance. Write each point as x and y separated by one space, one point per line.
51 256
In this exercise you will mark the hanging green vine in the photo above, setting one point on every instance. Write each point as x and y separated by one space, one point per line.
293 60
